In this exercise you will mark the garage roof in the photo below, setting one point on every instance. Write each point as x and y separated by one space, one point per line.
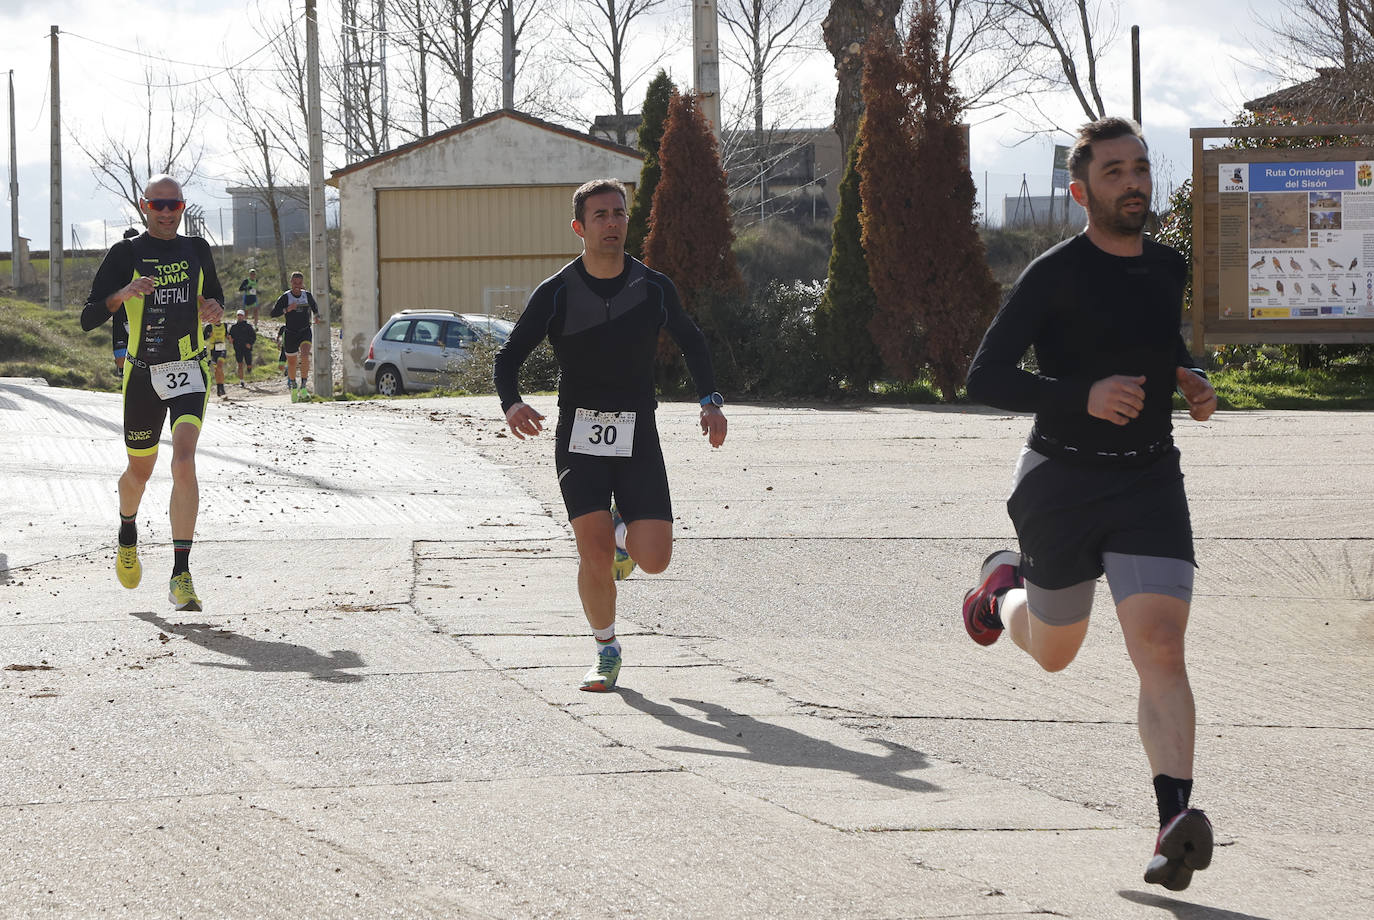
477 122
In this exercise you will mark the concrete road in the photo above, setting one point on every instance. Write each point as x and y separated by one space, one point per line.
377 714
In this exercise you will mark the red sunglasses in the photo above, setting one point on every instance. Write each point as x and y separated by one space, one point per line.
166 204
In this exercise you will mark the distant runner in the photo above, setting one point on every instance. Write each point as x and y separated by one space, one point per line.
248 289
297 305
243 336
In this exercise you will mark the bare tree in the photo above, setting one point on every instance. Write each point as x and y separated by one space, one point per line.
449 31
984 47
1321 33
166 141
258 153
1066 40
763 33
598 35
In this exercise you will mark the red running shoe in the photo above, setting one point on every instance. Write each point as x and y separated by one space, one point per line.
1000 573
1184 845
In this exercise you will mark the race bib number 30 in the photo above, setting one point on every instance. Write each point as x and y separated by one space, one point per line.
177 378
602 434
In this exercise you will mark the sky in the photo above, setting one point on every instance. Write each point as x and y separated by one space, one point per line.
1199 63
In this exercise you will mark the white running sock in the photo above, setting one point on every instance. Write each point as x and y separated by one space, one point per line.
605 638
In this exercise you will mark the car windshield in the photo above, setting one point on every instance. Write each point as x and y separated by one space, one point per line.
499 329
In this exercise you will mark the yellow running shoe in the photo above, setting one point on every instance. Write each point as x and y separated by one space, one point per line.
183 593
623 565
127 566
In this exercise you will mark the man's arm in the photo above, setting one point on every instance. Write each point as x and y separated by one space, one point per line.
115 272
530 329
995 377
279 307
690 339
314 307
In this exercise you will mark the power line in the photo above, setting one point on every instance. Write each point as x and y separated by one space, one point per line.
218 71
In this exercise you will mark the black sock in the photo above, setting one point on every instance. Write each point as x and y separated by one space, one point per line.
181 557
128 530
1172 795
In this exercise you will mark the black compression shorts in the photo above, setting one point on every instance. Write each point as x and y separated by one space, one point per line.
243 354
1067 516
291 342
639 482
145 413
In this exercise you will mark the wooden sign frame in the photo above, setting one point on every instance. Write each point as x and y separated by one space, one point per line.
1229 323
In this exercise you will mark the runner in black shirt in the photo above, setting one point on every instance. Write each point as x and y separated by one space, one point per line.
243 334
602 314
1098 486
167 285
300 311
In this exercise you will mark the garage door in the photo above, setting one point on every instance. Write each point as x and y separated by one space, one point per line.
470 249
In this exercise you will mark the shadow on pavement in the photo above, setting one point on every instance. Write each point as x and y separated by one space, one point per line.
784 747
262 656
1182 909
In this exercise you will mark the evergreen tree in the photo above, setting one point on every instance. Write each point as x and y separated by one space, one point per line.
690 238
935 294
652 118
848 304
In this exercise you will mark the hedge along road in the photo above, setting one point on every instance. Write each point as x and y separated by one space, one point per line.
377 712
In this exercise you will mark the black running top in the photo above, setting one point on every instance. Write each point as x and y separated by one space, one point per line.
165 325
297 320
1090 315
604 332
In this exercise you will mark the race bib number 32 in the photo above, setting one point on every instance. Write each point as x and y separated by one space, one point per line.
177 378
602 434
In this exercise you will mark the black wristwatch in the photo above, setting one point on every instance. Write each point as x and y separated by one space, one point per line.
715 399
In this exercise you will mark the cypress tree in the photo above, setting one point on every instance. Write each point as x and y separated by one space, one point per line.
928 268
848 303
652 118
690 238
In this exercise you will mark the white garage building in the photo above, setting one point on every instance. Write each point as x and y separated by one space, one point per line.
470 219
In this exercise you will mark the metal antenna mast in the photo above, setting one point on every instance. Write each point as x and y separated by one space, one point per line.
366 116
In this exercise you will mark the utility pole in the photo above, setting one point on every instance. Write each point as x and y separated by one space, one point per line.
1135 73
55 190
508 54
319 240
706 61
14 195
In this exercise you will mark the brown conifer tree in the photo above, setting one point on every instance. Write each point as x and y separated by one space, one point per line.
926 260
690 238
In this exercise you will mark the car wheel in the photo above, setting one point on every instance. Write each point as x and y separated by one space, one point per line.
389 381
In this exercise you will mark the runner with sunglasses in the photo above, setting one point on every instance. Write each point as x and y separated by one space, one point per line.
167 285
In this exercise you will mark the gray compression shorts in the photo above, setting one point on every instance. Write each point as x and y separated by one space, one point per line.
1126 575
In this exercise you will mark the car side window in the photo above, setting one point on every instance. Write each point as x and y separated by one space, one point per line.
427 332
458 335
396 332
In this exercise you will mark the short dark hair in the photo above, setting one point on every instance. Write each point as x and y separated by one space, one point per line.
596 187
1104 129
298 275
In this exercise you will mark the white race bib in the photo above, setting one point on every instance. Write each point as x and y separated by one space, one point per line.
602 434
176 378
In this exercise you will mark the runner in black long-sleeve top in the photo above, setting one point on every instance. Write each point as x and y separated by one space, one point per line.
1098 487
602 315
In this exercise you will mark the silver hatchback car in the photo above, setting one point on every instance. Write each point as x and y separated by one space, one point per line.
418 349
